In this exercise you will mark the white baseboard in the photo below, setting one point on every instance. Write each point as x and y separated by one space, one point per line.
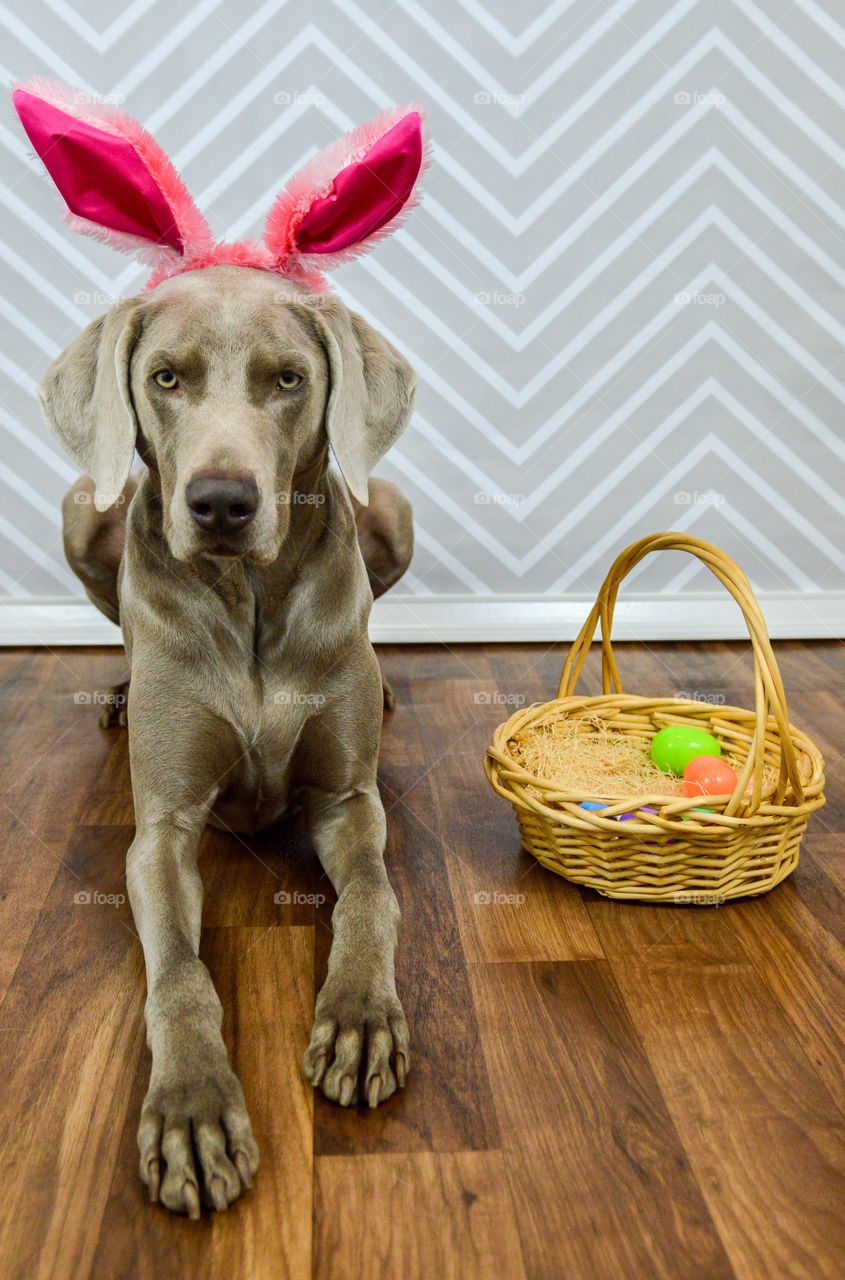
455 619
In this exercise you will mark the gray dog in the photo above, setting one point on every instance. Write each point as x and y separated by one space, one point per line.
242 574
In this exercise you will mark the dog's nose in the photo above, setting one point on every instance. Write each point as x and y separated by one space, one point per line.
222 503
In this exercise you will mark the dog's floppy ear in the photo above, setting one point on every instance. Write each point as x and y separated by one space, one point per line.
86 401
371 396
348 196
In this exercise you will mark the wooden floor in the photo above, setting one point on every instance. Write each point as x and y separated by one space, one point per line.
599 1091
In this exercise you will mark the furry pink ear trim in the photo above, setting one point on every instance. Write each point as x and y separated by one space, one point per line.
352 194
117 182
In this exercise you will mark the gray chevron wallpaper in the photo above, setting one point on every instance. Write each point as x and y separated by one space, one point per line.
623 291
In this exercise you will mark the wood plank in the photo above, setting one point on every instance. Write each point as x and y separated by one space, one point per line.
659 933
265 979
827 853
803 965
508 907
600 1181
760 1130
109 801
446 1105
71 1033
267 879
448 1216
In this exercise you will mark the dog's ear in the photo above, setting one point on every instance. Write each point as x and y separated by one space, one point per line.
87 404
371 393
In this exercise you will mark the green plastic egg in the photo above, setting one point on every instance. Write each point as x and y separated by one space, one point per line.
673 747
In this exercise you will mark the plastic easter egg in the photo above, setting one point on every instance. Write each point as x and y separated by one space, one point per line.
673 747
592 804
708 776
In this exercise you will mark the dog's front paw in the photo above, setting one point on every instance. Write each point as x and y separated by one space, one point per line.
360 1038
196 1142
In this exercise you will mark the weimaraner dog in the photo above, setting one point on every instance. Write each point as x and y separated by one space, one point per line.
242 574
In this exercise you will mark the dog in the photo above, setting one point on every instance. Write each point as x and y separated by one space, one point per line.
241 568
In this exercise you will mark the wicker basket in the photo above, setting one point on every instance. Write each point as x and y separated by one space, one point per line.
747 842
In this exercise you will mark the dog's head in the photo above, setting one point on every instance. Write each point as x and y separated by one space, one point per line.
232 382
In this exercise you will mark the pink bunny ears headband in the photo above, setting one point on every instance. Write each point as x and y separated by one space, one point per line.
121 188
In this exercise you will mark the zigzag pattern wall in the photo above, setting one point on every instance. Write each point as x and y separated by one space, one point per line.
623 292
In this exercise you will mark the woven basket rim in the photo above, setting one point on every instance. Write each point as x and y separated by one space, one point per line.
510 779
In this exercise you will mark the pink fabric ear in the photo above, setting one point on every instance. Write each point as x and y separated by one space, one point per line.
366 194
120 187
118 184
348 196
100 176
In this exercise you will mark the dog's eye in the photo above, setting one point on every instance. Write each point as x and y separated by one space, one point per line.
166 378
288 381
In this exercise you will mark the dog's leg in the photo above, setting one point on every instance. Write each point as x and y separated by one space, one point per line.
386 538
360 1037
93 542
194 1134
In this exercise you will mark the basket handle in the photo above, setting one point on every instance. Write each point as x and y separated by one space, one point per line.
769 696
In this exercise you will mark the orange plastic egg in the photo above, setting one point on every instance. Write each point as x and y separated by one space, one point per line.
709 776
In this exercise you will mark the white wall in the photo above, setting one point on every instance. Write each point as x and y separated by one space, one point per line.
623 293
